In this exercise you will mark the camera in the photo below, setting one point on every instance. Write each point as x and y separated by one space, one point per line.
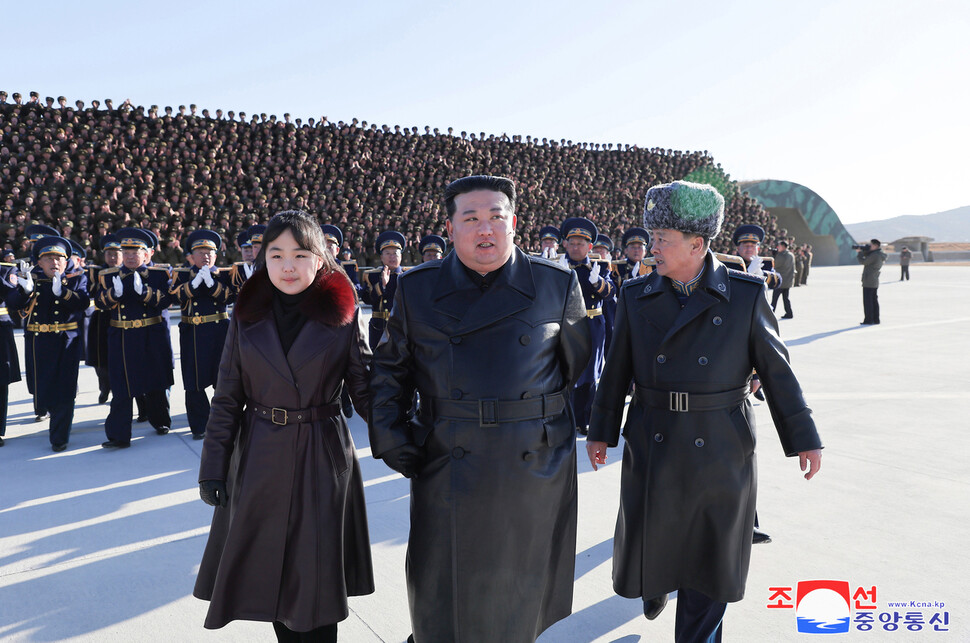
861 246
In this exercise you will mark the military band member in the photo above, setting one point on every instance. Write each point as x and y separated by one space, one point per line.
597 287
96 346
380 285
34 232
635 241
204 324
549 242
249 242
9 359
603 247
748 239
139 343
432 247
53 308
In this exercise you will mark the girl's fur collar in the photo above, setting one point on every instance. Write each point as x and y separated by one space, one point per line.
330 299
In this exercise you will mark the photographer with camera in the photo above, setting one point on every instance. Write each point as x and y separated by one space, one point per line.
871 257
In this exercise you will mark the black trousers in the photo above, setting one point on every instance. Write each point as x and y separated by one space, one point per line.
783 293
62 417
870 305
904 273
323 634
104 379
4 397
583 396
197 410
699 618
117 426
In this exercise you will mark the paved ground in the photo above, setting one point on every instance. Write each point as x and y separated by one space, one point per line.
104 546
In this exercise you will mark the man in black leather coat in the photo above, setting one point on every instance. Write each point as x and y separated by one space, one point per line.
492 339
689 336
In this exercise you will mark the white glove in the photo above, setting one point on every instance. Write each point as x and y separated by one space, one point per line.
26 281
206 273
594 274
136 283
197 280
564 262
248 270
116 284
755 267
549 253
56 284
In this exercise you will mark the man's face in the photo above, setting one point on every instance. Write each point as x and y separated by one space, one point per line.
577 248
332 246
134 258
748 250
431 254
391 257
602 251
549 243
482 229
781 248
203 257
635 251
51 264
256 247
248 254
679 256
112 257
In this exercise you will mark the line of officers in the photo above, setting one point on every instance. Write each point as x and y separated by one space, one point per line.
116 317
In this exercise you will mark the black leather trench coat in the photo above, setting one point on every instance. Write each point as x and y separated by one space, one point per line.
293 543
491 553
689 478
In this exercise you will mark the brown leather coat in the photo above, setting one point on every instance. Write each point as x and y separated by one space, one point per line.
293 542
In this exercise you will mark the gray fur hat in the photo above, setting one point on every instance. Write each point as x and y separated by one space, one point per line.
695 208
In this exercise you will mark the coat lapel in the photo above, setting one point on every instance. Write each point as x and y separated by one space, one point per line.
312 339
657 303
264 335
513 290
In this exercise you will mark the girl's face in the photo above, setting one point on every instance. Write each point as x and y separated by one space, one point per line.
291 268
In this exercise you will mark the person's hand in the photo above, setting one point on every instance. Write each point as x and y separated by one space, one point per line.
213 492
206 272
564 262
136 283
196 281
594 274
385 276
56 284
755 267
117 285
406 459
596 452
26 281
755 385
811 459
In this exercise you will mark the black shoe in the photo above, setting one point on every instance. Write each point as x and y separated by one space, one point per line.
759 394
115 444
866 323
760 537
652 607
198 436
788 317
57 448
103 397
1 442
161 430
41 418
582 430
141 418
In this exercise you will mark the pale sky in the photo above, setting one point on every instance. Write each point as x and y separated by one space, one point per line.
865 102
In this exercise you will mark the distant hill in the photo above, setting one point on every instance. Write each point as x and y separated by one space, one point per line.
950 226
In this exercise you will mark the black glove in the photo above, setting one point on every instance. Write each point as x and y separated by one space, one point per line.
406 459
213 492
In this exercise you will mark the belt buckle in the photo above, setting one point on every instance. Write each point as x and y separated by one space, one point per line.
488 412
273 416
196 320
137 323
44 328
678 402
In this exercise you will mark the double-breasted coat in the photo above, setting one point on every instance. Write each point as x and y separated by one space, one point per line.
491 552
203 326
689 475
292 543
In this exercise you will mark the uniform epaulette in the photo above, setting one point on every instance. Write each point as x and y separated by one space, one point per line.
546 262
161 266
746 276
633 281
108 271
427 265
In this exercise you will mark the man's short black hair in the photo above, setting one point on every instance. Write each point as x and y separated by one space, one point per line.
876 242
783 243
479 182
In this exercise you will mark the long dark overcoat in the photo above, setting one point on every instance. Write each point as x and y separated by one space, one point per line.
200 343
293 543
689 478
491 552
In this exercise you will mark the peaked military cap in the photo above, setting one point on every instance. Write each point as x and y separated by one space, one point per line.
256 233
331 231
694 208
748 232
37 230
137 238
432 242
242 240
390 239
109 241
603 240
636 234
203 238
550 232
51 245
579 227
76 249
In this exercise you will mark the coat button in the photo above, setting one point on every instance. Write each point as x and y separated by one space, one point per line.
524 340
717 321
661 358
699 442
721 287
456 340
526 395
458 453
528 455
658 437
456 393
702 361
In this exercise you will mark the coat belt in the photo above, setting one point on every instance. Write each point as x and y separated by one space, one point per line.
282 417
492 412
377 314
136 323
683 402
195 320
51 328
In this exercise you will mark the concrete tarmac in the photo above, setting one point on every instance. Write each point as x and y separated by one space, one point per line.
100 545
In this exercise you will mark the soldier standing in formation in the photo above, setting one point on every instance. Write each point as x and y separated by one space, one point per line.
635 242
97 339
432 247
9 359
604 248
379 285
549 242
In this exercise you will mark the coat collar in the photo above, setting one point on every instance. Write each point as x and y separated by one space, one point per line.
331 299
459 298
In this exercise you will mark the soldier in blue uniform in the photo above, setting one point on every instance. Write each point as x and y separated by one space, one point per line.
432 247
597 286
96 347
549 242
139 344
748 239
603 246
205 322
380 285
34 232
53 308
335 240
250 245
9 359
635 242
